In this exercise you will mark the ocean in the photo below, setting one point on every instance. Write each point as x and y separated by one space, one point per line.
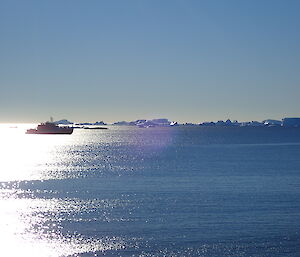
127 191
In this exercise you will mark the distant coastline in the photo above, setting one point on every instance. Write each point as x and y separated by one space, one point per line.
163 122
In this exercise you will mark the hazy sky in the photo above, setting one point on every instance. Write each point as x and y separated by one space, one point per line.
129 59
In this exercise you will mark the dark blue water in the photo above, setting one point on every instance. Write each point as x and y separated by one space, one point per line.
165 192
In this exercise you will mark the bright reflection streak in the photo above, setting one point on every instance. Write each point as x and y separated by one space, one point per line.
29 226
22 155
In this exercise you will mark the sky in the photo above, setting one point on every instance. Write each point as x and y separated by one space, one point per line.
113 60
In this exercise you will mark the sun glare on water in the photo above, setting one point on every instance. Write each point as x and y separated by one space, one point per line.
21 154
29 225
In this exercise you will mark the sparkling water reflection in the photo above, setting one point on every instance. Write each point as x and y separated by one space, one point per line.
150 192
34 223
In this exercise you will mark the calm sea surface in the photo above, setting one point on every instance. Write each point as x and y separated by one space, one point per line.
150 192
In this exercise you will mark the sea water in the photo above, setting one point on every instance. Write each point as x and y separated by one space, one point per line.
126 191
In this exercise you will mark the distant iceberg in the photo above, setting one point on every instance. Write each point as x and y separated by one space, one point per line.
63 122
100 123
272 123
291 122
91 123
122 123
143 123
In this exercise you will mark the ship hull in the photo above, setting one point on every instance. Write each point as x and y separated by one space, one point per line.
62 131
50 128
50 133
